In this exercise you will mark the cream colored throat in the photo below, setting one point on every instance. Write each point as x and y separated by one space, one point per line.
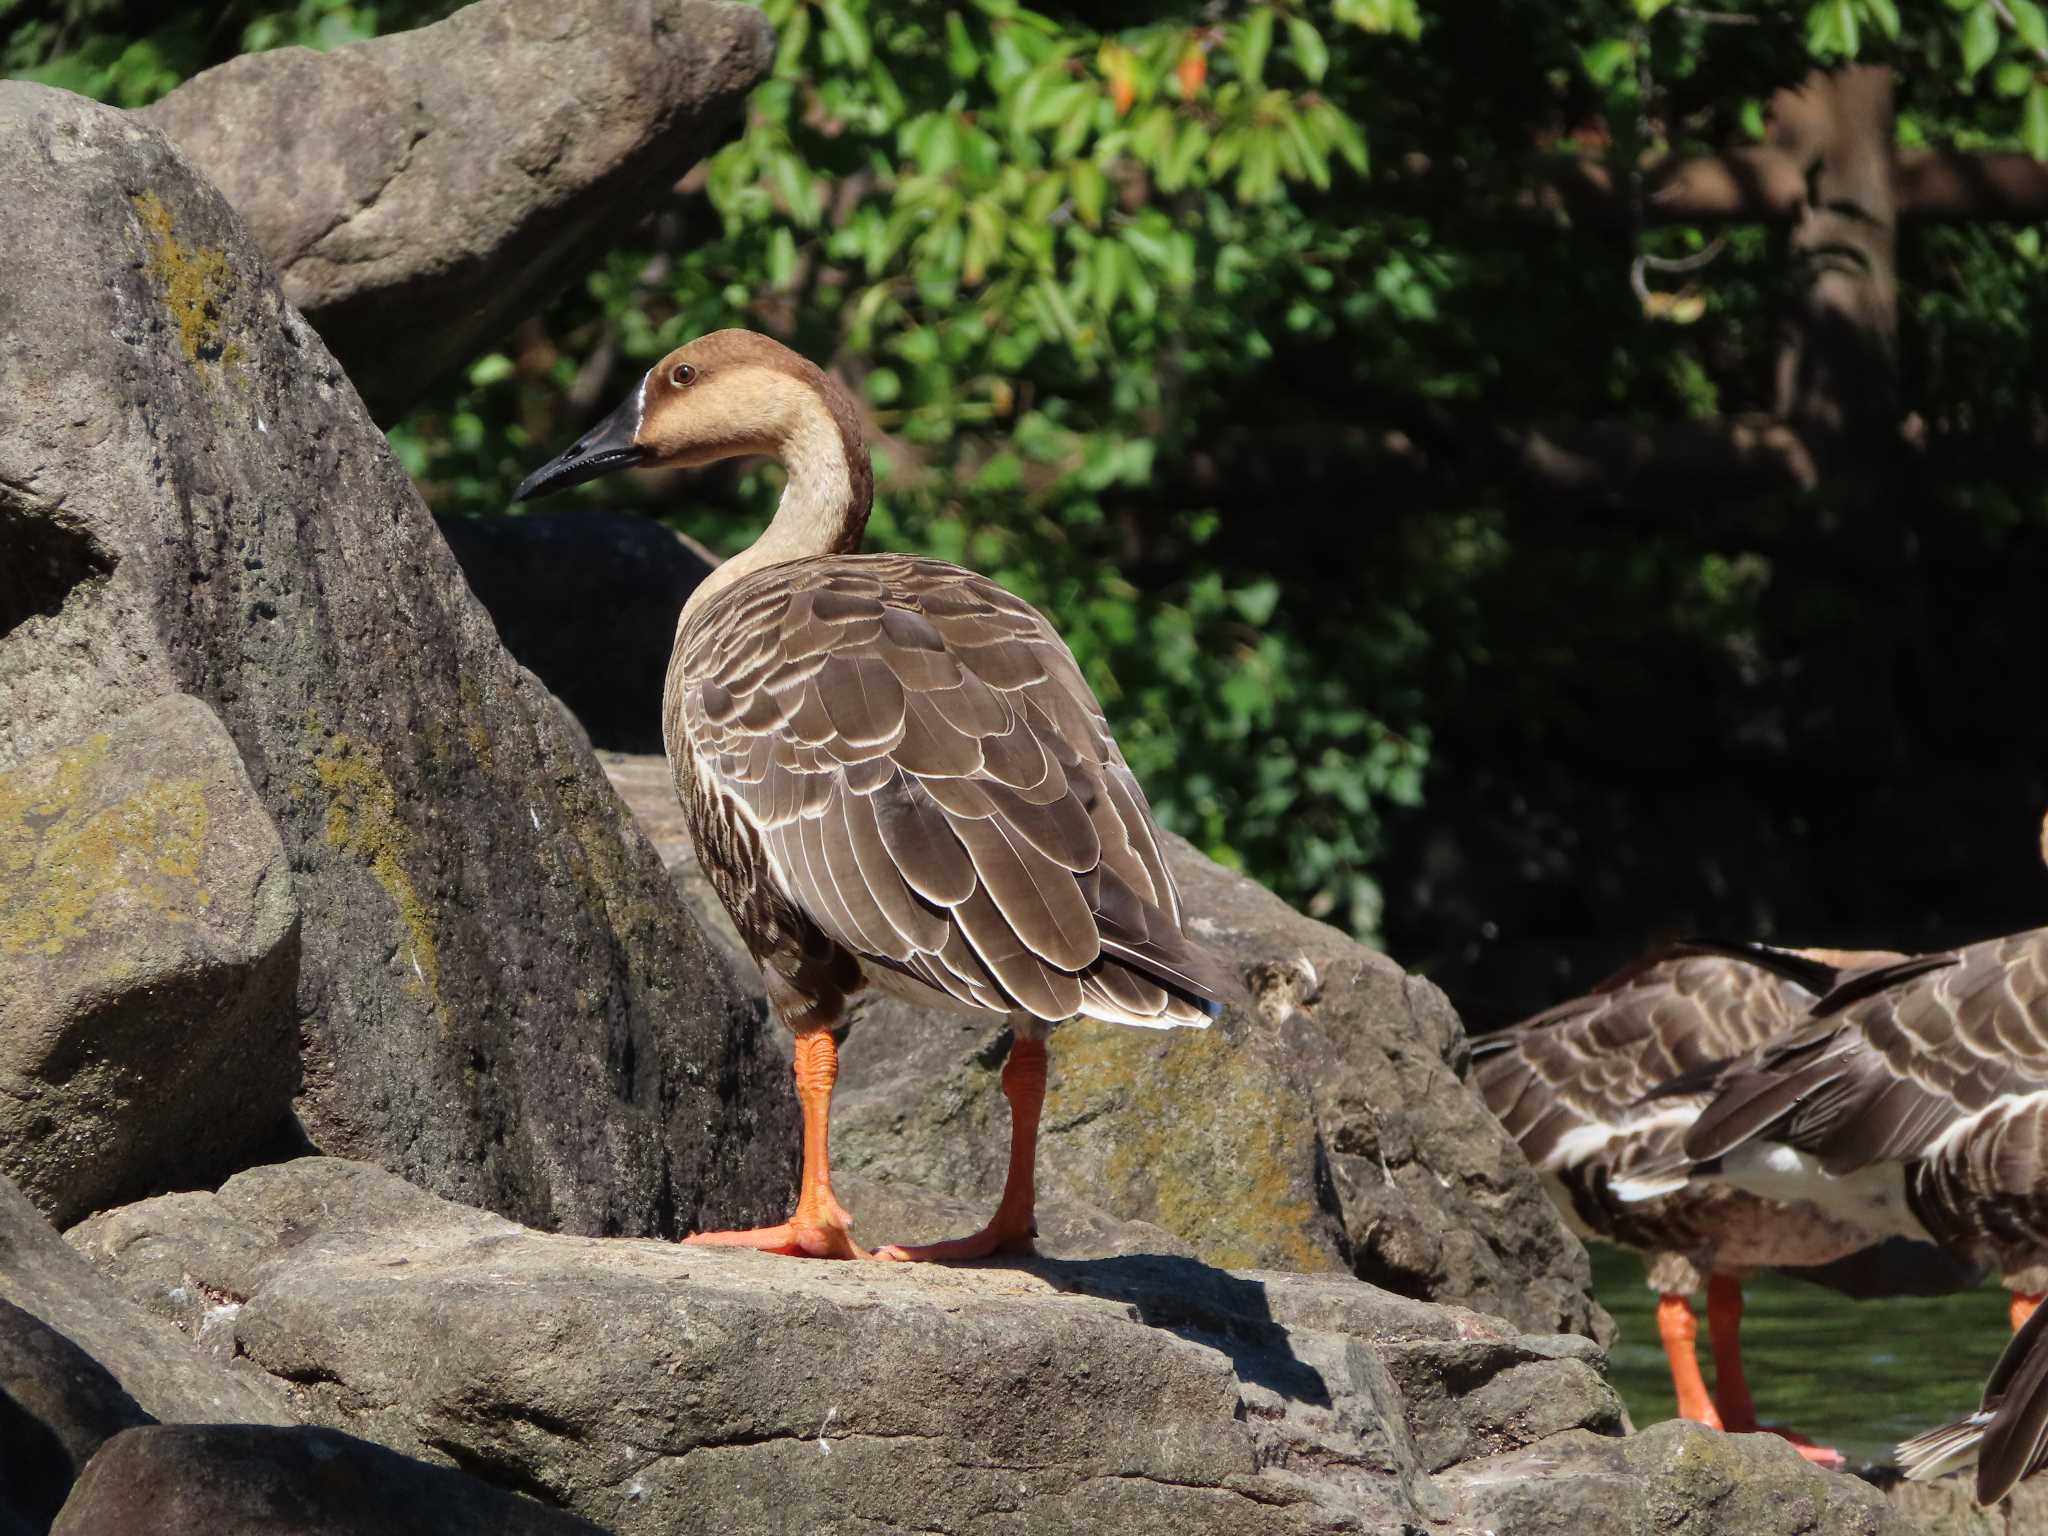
824 502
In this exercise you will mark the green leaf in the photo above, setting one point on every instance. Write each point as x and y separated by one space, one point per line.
489 369
1257 601
884 386
791 41
2013 77
1608 60
1886 14
1180 160
2031 25
1311 53
962 57
1105 274
2034 121
1831 29
1979 38
781 257
1090 190
851 31
1253 42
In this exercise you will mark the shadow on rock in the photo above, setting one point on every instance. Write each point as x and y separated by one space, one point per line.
1227 1312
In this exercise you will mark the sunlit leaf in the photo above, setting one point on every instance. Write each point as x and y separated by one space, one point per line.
2034 121
1311 54
1979 37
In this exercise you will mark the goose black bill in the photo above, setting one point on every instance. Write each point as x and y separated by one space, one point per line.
605 447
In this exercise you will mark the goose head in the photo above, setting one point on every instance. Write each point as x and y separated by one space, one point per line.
721 396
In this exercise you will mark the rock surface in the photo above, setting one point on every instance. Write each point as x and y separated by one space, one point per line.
499 994
149 946
1673 1477
149 1358
57 1405
588 600
1946 1507
1330 1129
653 1388
251 1480
420 193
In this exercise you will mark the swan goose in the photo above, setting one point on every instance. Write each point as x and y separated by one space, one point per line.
894 775
1571 1085
1914 1102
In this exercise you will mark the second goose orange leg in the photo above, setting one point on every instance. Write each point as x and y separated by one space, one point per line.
1014 1224
1731 1387
820 1228
1680 1331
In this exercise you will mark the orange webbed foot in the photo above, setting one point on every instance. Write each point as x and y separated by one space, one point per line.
788 1239
991 1239
1820 1455
797 1238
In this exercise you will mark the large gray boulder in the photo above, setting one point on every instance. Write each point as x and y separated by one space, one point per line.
499 993
254 1480
420 193
634 1381
149 946
655 1388
150 1359
1329 1129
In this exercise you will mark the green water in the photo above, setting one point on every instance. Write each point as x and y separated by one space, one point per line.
1857 1375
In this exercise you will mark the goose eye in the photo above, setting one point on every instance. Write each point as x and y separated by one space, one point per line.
682 374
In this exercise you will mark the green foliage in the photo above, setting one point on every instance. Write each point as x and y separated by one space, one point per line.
1183 322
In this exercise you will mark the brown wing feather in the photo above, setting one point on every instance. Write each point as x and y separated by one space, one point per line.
934 787
1884 1077
1590 1061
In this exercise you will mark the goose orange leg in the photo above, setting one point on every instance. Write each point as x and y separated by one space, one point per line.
1014 1224
1731 1387
820 1229
2021 1308
1680 1331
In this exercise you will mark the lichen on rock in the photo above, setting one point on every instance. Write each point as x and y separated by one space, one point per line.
194 282
362 820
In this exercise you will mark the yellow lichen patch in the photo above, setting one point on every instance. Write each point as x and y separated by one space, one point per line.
74 863
363 822
194 284
1208 1142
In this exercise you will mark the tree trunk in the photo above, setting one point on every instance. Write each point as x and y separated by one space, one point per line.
1838 376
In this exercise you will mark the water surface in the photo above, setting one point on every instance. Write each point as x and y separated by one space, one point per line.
1857 1375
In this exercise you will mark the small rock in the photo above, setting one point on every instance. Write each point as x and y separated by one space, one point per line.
150 1359
149 948
252 1480
1673 1477
57 1404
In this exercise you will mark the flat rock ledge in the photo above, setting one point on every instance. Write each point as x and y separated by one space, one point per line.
651 1388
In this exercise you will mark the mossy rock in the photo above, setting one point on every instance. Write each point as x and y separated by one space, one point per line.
148 956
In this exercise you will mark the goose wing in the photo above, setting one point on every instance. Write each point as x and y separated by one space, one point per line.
1895 1061
934 786
1570 1083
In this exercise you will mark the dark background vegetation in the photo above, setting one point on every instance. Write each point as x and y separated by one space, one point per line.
1225 334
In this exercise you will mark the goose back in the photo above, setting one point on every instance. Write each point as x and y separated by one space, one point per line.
1944 1072
896 770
